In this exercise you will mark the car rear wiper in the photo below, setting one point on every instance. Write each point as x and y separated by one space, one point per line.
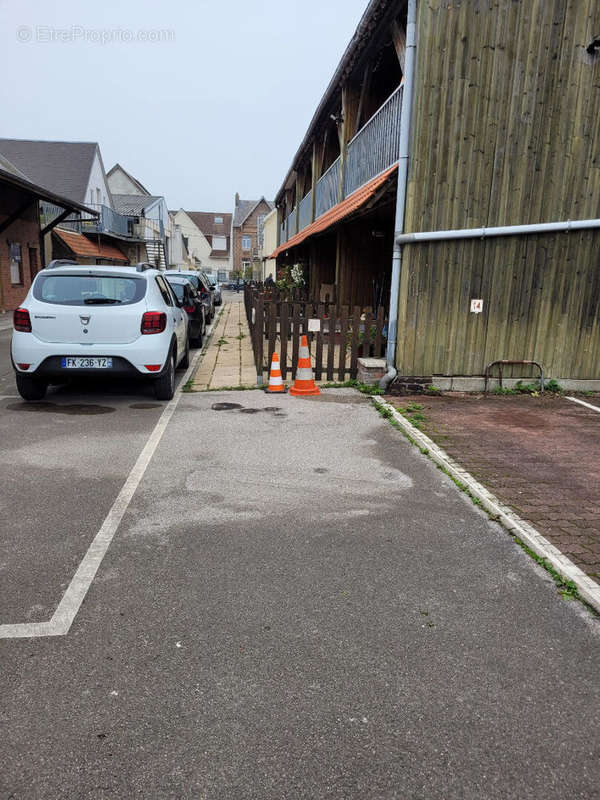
100 301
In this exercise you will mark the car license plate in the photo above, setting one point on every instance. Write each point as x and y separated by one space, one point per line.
87 363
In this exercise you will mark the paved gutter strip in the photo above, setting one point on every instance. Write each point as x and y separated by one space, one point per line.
583 403
588 589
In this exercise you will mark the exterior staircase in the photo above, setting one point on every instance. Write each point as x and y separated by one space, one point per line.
156 253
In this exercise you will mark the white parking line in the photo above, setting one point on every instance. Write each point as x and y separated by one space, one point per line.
73 597
583 403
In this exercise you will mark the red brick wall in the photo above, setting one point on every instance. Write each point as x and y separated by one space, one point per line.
247 229
25 231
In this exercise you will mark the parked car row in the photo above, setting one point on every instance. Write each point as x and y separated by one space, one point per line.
84 320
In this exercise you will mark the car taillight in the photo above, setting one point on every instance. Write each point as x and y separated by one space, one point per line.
154 322
152 367
21 320
23 366
189 309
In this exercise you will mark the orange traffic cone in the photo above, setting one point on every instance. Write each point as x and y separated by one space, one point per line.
304 384
275 380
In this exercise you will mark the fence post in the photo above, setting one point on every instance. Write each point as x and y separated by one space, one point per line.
355 338
283 336
259 340
343 343
295 337
272 330
331 336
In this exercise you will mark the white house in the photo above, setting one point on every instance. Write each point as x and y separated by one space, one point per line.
207 238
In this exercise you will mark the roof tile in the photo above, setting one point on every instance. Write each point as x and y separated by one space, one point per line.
88 248
338 212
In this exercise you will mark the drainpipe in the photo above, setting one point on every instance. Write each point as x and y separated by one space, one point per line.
503 230
405 126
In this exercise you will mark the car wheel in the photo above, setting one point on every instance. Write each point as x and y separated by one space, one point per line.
164 387
185 361
30 388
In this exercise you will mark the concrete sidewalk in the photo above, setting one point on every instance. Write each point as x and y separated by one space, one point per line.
228 360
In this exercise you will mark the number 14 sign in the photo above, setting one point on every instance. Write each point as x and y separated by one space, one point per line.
476 306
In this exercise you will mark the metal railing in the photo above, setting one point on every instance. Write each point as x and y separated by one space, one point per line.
376 146
304 217
372 150
327 189
291 223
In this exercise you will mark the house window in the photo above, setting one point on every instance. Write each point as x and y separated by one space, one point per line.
246 242
221 276
16 272
219 242
98 196
218 220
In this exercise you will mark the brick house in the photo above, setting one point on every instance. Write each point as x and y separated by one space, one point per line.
22 231
246 236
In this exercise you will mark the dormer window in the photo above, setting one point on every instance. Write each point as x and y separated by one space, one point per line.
218 220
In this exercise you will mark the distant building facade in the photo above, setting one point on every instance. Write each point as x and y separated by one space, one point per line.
247 236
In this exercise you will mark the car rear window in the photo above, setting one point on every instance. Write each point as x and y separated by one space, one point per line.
193 279
83 290
178 289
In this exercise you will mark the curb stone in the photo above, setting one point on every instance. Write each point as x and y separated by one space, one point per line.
588 590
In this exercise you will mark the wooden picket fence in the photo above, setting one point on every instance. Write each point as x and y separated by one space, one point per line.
338 335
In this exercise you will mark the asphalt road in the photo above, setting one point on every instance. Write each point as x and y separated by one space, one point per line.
296 604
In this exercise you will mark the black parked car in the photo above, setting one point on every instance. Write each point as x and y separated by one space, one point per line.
203 288
193 306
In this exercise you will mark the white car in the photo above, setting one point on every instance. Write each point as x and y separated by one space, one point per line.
81 320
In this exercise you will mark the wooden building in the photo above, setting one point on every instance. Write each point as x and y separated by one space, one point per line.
505 133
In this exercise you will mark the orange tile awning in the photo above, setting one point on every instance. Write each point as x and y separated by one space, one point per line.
83 247
338 212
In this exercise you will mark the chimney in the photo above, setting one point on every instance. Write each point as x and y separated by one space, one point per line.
237 199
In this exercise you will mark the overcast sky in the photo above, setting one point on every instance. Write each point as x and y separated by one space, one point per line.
218 104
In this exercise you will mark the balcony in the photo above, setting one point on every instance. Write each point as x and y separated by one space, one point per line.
375 148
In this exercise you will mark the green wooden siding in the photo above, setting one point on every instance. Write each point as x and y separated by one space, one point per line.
541 301
506 126
506 131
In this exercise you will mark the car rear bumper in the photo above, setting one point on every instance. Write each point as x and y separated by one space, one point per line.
45 357
51 369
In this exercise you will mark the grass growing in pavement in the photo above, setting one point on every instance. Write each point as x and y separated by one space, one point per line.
534 389
363 388
565 588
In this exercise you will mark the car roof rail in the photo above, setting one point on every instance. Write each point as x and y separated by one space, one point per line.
62 262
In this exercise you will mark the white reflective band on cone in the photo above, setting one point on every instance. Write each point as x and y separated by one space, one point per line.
304 374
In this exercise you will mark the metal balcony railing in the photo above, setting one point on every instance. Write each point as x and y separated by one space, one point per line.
376 146
291 223
327 189
372 150
304 217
